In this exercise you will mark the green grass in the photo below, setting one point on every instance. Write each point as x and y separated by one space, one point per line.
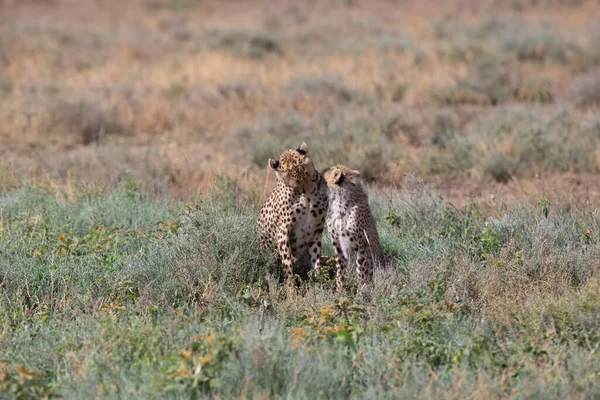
121 294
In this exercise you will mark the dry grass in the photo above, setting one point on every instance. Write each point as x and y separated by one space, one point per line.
157 89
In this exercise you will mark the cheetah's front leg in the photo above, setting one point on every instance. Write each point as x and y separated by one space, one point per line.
315 250
364 268
340 263
315 245
285 252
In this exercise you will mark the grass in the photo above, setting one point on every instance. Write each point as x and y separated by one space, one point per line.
120 294
134 145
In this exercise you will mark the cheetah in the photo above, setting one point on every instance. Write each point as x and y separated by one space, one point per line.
292 219
351 225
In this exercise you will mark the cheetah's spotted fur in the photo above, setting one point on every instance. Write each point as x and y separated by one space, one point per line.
293 217
351 225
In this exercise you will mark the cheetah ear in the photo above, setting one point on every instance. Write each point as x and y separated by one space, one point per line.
303 149
338 177
353 172
274 164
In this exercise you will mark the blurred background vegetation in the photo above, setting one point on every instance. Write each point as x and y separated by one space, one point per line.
174 92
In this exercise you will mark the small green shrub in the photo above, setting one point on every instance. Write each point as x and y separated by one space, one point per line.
585 92
514 141
492 81
170 5
362 142
269 136
539 42
349 36
90 121
6 86
207 257
358 142
330 86
246 43
457 95
509 37
500 167
267 147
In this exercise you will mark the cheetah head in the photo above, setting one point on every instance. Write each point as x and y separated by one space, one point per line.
294 167
336 175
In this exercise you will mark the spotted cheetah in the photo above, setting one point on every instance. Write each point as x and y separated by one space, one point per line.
293 217
351 225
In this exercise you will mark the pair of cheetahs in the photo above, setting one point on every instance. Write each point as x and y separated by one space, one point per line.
294 215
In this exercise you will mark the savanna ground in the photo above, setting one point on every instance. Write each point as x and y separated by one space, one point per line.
134 140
